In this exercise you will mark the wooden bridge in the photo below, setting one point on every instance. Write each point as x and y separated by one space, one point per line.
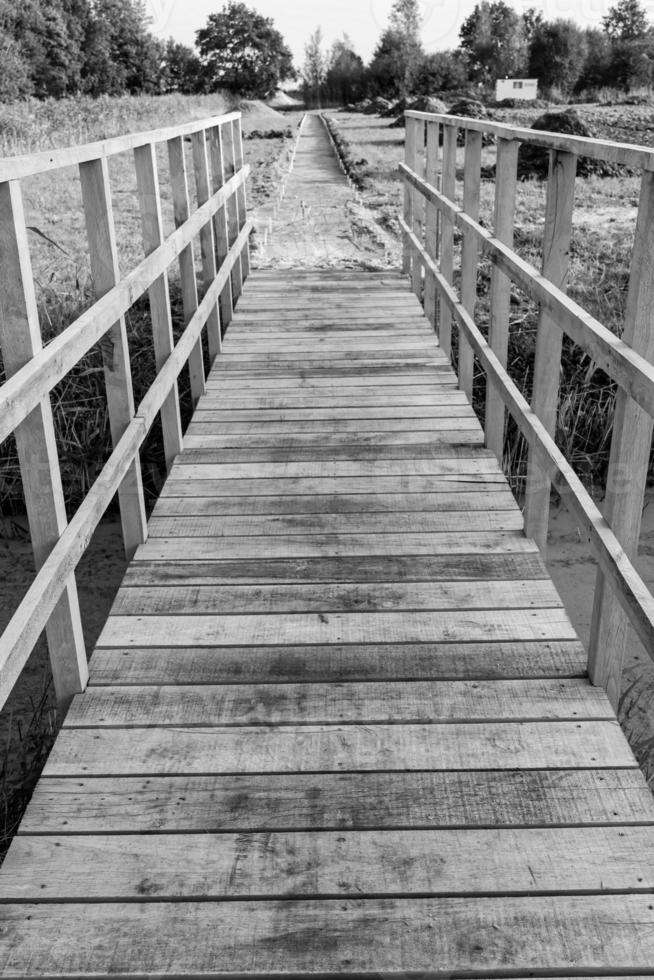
338 723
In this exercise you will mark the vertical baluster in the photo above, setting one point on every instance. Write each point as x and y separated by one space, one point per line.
207 247
547 364
470 253
232 207
630 447
418 203
500 293
182 211
220 224
448 188
20 340
408 258
431 216
162 327
240 195
98 213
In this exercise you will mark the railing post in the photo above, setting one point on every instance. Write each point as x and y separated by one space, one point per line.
98 213
182 212
448 189
432 164
162 325
241 201
547 365
221 226
469 253
500 292
20 340
229 159
207 247
630 448
418 201
408 258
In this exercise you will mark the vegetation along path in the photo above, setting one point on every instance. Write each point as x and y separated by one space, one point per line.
338 722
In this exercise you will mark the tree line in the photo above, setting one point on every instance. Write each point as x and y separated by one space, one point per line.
495 41
57 48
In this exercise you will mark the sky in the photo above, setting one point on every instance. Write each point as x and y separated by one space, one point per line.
362 20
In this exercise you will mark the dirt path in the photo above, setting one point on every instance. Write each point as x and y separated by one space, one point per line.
320 222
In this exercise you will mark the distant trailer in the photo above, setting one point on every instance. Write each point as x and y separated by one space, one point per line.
516 88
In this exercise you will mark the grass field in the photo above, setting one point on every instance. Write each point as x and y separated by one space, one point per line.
604 224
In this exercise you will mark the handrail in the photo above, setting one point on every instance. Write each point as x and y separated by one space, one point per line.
625 154
628 360
33 370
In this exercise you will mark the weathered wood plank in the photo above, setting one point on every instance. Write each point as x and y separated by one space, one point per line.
472 464
356 662
402 702
337 627
311 938
335 801
333 486
344 503
430 522
331 864
264 427
334 546
382 568
333 748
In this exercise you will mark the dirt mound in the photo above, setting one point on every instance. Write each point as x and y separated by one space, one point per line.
534 161
257 107
426 103
281 100
471 108
377 107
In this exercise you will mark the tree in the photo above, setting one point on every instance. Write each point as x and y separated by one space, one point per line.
243 52
404 22
314 70
596 70
627 21
345 81
558 54
181 69
121 54
441 71
495 41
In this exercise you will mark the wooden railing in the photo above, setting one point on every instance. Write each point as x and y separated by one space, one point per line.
430 217
218 218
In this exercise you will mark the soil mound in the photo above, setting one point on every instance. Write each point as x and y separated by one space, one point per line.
534 161
469 107
426 103
377 107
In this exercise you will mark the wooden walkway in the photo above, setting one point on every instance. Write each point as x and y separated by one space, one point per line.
338 722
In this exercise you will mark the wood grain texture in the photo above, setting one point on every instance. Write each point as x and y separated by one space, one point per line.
335 801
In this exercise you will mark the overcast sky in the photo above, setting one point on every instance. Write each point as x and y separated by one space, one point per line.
363 20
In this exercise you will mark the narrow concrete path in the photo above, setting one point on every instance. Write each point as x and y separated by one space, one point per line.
319 223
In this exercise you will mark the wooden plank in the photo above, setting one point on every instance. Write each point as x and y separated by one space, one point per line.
477 465
229 162
310 937
355 397
332 864
182 211
429 448
402 702
336 627
357 377
20 338
263 428
322 442
314 486
338 416
105 271
334 748
240 194
549 338
344 503
334 545
119 666
430 522
363 597
385 568
145 161
628 465
500 294
338 801
207 245
469 251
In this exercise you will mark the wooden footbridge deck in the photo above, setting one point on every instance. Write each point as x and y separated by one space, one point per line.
338 723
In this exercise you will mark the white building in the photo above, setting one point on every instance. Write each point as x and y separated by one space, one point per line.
516 88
